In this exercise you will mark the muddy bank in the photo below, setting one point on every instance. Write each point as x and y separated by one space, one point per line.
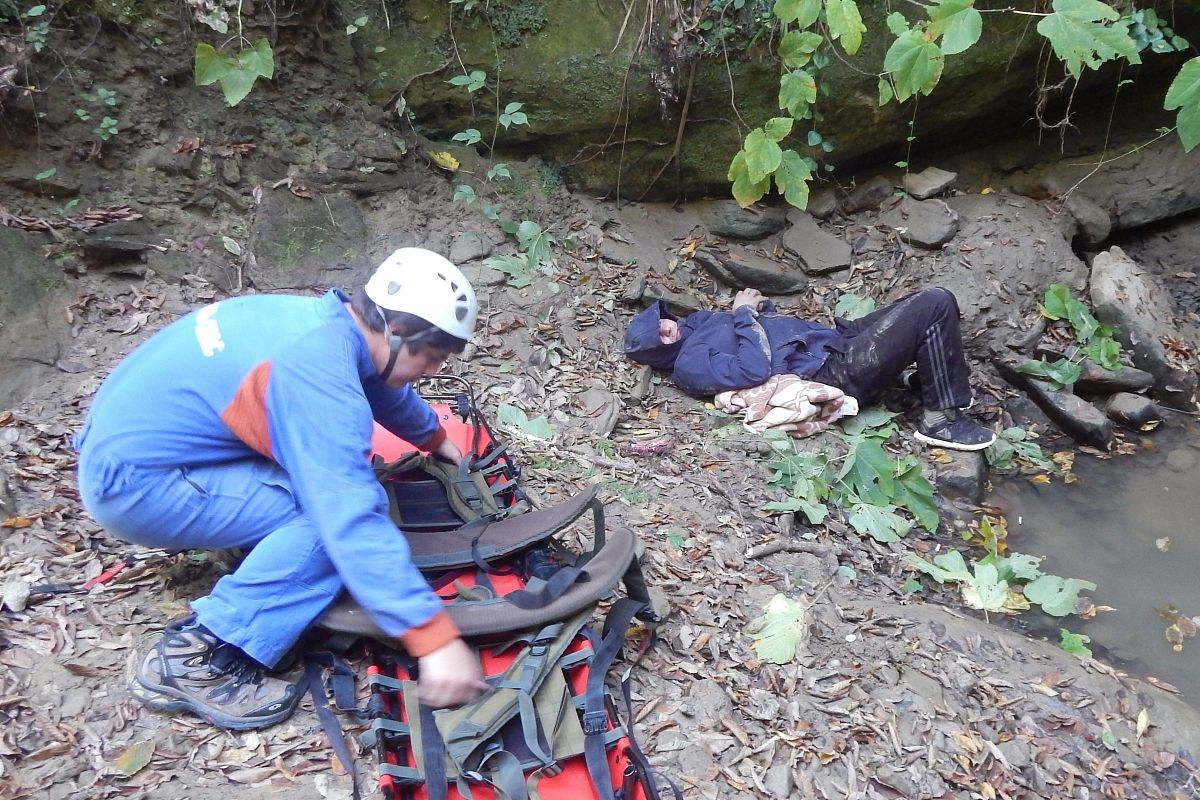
891 695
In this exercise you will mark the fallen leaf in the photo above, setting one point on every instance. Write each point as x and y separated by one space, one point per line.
1143 722
444 160
1163 544
135 758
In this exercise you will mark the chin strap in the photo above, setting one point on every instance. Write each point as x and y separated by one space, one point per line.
395 343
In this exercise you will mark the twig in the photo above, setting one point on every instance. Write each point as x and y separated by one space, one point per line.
678 149
789 546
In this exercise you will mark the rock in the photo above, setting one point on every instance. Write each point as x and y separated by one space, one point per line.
480 274
600 408
924 223
727 218
1131 410
8 502
1135 305
1024 340
677 302
1095 379
1177 389
169 160
341 160
822 203
1092 223
59 186
633 290
779 781
231 173
471 245
1078 418
298 243
390 151
819 251
964 476
868 195
770 277
365 184
929 182
118 241
706 699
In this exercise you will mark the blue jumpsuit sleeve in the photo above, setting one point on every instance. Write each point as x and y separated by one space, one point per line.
713 359
320 428
401 411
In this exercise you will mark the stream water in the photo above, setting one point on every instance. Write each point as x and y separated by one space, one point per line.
1130 524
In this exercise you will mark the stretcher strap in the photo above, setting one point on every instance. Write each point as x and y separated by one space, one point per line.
595 714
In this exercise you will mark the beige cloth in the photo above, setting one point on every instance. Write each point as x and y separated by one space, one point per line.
788 403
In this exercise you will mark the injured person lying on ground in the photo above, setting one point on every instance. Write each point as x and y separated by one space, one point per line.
717 351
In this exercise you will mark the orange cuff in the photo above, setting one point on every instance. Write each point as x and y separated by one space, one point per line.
424 639
435 439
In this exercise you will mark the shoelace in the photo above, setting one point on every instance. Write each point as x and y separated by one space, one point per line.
240 669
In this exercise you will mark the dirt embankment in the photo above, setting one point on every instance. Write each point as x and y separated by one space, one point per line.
890 695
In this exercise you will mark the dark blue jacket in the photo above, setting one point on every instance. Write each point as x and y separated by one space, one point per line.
722 351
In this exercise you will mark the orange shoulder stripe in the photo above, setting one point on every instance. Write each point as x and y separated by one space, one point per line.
246 414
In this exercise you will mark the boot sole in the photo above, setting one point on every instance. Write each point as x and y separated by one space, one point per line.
167 699
949 445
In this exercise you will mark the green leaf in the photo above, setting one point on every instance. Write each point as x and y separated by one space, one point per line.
916 64
896 23
984 590
777 634
915 493
35 11
912 586
210 66
792 178
957 22
853 306
468 137
949 566
517 267
875 422
135 758
801 12
1060 373
1105 352
237 84
745 190
464 193
1057 596
763 155
361 21
1055 301
777 128
1018 567
797 92
879 522
885 92
231 246
260 60
1184 95
796 48
814 512
1078 32
499 170
46 173
1075 643
869 473
845 23
516 419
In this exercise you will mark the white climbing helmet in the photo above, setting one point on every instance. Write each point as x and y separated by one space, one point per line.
423 283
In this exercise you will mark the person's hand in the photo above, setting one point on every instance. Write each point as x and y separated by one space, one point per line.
450 675
748 297
448 451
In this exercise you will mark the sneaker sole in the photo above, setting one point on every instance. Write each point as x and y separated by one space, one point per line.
921 437
166 699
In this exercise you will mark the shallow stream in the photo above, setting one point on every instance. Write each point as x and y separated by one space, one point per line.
1130 524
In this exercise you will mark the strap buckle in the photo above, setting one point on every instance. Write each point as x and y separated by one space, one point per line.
595 722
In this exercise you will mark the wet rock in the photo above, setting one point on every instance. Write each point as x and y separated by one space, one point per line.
1092 223
924 223
1131 410
119 241
298 243
770 277
1178 388
819 251
727 218
1095 379
929 182
1182 459
779 781
868 195
963 476
1078 418
59 186
1134 304
822 203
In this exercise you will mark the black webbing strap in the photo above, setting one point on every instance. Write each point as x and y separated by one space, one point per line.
595 713
433 755
551 590
343 697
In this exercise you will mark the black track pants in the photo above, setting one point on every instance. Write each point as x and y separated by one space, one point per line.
876 349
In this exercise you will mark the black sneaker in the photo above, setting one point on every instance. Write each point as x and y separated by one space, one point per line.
190 669
957 432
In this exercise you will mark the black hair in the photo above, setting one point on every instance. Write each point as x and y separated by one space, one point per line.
420 334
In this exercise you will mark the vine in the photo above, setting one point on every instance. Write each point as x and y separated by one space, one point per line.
1082 34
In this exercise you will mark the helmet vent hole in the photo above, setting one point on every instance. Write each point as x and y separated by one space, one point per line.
460 313
393 287
453 286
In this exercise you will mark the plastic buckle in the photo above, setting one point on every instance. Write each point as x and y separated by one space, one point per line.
595 722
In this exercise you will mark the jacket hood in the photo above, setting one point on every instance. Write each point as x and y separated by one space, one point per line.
642 342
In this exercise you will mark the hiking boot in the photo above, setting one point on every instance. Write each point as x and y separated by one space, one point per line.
190 669
955 431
